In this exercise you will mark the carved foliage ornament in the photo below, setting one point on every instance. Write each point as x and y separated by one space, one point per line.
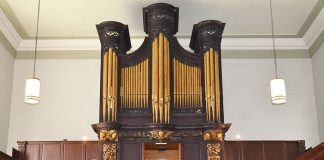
110 135
109 151
160 136
213 151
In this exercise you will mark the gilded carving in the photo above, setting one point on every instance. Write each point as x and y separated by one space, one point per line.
160 135
213 135
110 135
213 151
109 151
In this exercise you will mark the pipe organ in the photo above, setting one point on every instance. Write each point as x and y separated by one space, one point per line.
161 92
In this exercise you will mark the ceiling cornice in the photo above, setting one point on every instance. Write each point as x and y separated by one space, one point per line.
9 31
315 30
228 44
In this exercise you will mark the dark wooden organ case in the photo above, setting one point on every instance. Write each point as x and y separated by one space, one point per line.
161 93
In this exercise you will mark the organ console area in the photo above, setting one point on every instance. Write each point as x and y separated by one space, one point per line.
161 101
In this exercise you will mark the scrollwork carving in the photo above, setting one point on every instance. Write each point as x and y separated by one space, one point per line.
213 151
109 151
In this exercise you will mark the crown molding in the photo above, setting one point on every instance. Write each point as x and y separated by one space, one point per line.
315 29
228 43
9 31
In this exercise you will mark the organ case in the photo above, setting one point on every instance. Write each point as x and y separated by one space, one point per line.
161 92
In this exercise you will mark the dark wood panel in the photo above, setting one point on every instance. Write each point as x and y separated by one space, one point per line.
191 151
274 151
73 151
251 150
232 151
292 150
132 151
33 152
51 151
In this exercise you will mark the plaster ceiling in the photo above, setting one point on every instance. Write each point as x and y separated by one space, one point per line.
77 18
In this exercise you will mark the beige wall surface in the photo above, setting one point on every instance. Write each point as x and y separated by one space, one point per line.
248 107
70 99
318 66
6 78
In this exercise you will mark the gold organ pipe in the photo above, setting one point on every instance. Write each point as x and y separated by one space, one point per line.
175 83
115 87
165 75
112 87
122 90
194 91
169 96
133 104
127 86
182 102
212 82
146 82
136 74
153 78
141 84
199 91
104 86
161 101
217 79
110 63
207 85
156 79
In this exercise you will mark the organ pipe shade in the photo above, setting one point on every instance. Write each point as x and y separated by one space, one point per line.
32 90
278 91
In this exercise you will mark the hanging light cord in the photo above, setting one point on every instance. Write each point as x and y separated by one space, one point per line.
273 41
35 54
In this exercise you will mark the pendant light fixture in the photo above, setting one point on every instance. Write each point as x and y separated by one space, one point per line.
33 84
277 85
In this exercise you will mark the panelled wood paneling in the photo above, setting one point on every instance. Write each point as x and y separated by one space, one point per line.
59 150
73 151
92 150
234 150
263 150
51 151
274 150
33 152
251 150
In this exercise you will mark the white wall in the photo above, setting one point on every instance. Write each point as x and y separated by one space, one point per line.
318 66
70 98
248 106
6 78
69 101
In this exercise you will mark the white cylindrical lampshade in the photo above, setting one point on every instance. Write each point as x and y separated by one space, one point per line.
278 91
32 90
